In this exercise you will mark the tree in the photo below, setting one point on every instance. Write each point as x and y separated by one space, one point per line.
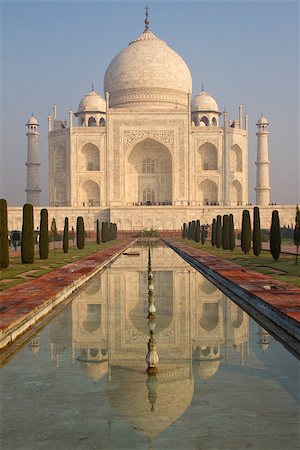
104 231
275 236
219 232
193 230
73 235
53 229
98 239
256 232
225 232
246 232
213 232
189 231
203 235
66 236
297 232
183 231
44 237
4 250
231 233
27 246
198 231
80 234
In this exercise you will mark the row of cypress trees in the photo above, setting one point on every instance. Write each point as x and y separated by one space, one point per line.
275 234
194 231
222 232
109 232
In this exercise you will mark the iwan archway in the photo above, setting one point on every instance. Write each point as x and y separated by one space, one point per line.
148 174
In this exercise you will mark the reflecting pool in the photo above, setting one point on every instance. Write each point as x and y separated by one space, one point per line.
223 382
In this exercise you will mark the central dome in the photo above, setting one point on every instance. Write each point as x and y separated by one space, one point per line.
148 75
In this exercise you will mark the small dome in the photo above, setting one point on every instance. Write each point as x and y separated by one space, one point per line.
95 369
148 74
204 102
207 369
32 121
92 102
262 121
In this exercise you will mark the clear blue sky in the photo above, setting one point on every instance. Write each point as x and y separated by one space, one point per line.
243 51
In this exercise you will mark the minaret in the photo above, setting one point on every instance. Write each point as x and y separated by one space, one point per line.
262 163
33 165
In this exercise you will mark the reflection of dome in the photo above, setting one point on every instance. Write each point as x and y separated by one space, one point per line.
206 369
92 363
204 102
148 73
129 398
95 370
35 349
92 102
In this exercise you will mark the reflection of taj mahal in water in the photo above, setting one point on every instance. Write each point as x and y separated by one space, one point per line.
107 329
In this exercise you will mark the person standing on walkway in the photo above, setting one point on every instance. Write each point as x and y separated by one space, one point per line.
15 239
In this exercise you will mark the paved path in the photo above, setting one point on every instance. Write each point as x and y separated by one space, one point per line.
21 306
275 300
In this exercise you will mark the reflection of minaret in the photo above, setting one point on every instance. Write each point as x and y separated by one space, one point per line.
262 163
33 164
35 344
263 338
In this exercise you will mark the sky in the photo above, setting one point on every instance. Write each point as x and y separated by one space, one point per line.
243 51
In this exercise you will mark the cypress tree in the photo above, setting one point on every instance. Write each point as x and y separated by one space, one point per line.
219 232
189 231
275 236
246 232
44 237
225 232
103 232
54 231
27 246
231 233
297 232
203 235
66 236
80 236
4 250
213 232
98 240
256 232
198 231
193 230
183 231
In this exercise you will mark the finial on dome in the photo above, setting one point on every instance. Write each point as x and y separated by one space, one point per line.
202 87
147 20
93 87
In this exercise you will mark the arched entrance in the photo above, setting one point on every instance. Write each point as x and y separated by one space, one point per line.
90 193
148 174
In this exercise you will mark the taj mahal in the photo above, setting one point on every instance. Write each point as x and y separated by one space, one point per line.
149 154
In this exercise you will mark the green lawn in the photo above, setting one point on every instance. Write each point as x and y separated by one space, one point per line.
284 269
16 272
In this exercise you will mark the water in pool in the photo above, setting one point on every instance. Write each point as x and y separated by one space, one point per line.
223 382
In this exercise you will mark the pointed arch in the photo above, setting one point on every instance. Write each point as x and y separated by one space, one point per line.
59 159
204 121
208 192
60 194
92 122
236 193
148 173
236 159
90 158
91 193
208 156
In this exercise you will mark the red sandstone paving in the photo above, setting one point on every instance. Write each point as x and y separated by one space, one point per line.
282 297
18 301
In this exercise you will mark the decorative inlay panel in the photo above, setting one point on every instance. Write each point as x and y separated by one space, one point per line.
165 137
